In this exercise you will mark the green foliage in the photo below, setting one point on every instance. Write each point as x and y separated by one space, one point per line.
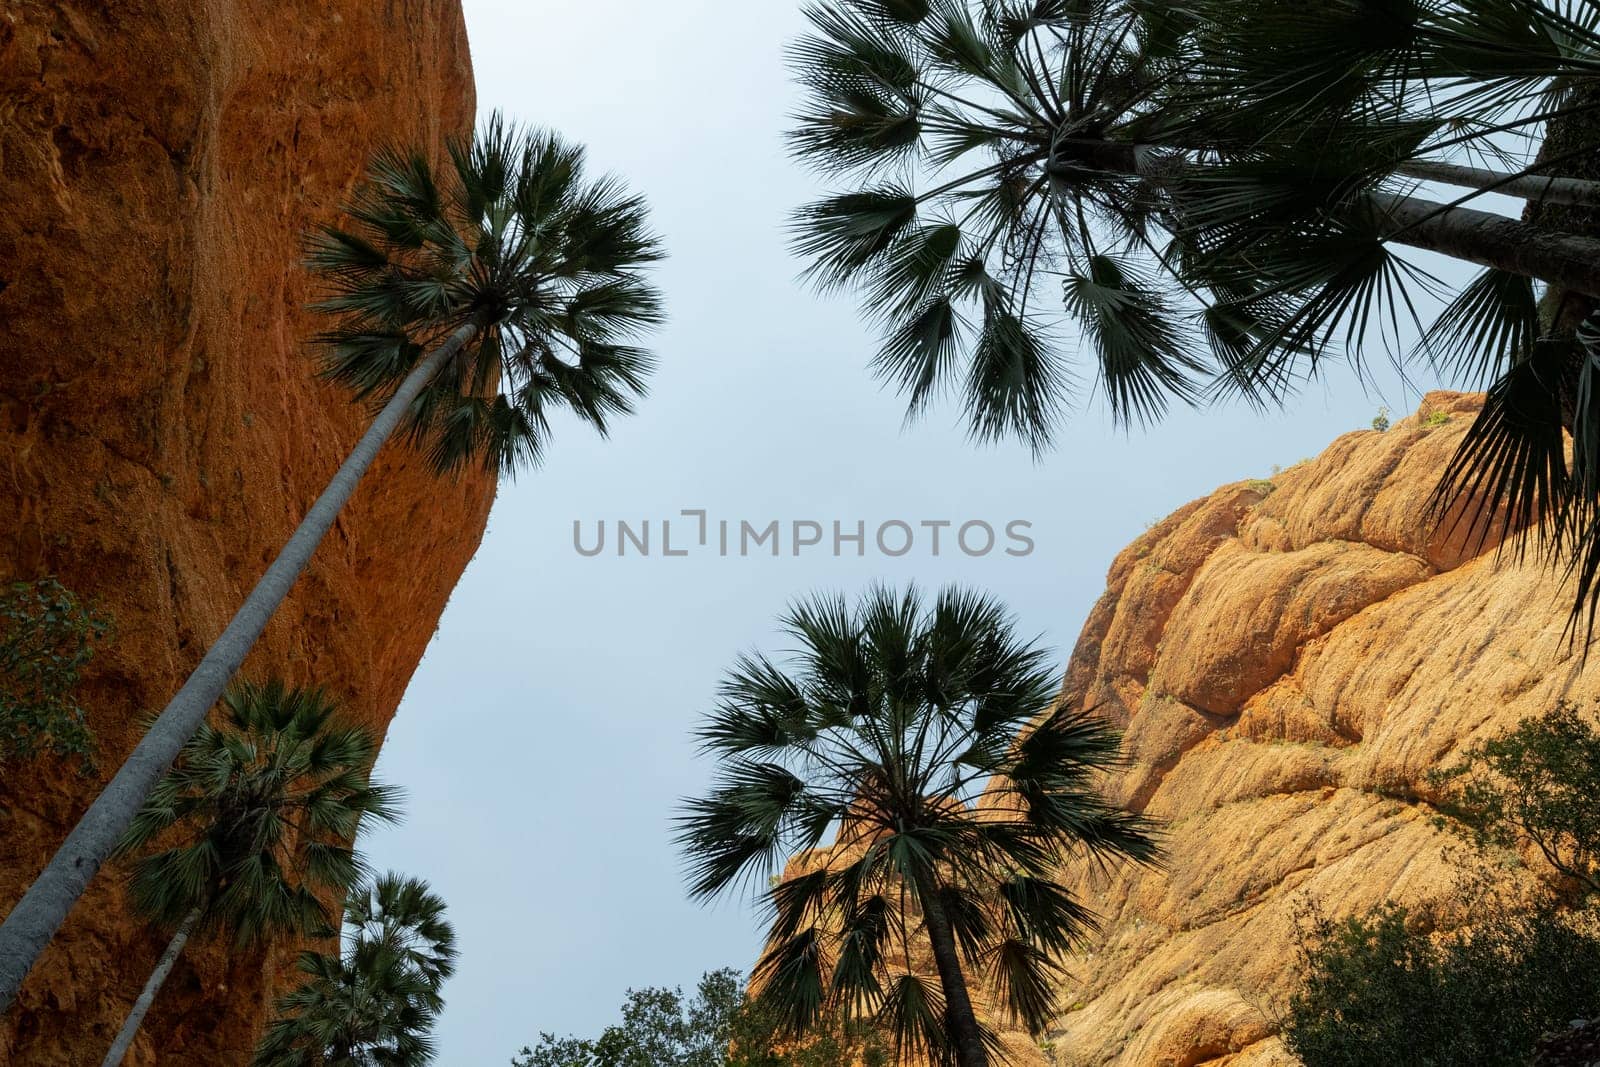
1380 422
374 1003
1199 200
888 720
759 1041
1387 989
718 1027
47 637
1194 181
1538 782
254 823
977 209
659 1028
512 237
1384 990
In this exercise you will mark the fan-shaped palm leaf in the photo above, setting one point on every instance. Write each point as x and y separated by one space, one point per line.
513 241
375 1003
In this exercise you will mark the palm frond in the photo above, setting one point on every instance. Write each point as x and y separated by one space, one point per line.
257 817
1490 325
511 238
1510 471
1144 362
1026 979
913 1012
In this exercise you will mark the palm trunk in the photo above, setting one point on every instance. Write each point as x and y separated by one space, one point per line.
41 911
147 996
1546 190
1564 260
961 1022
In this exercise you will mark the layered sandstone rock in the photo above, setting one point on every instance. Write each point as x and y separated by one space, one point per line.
1290 659
161 429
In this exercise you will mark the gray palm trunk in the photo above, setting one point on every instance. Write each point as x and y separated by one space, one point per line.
147 996
1545 189
44 907
1564 260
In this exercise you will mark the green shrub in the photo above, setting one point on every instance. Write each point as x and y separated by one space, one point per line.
717 1027
47 635
1384 990
1540 783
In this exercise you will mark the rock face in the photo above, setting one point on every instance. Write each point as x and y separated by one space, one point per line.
1290 659
161 429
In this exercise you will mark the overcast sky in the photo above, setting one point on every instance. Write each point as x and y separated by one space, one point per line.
544 740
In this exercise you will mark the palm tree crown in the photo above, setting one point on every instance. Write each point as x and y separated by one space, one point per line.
375 1002
259 815
1181 173
401 917
512 239
989 146
889 721
1223 192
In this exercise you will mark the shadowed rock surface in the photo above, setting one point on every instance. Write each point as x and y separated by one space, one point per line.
161 427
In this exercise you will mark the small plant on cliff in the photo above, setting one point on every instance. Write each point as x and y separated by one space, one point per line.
475 302
886 725
257 820
1537 783
47 637
377 999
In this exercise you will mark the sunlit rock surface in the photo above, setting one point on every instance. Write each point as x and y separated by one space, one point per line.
1290 658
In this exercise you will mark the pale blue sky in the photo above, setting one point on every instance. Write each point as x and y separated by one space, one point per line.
543 742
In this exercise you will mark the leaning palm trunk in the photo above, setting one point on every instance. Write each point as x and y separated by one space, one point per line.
41 911
147 996
1537 187
1564 260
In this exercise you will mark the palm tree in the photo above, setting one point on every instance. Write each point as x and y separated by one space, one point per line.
374 1004
998 149
888 721
1212 195
475 303
259 814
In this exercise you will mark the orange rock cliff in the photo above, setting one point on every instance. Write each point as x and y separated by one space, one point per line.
1289 658
161 427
